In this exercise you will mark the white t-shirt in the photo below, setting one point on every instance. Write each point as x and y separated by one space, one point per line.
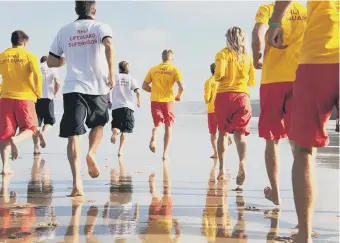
123 93
82 43
49 77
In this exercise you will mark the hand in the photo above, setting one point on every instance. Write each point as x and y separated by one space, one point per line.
110 80
256 60
138 103
178 98
275 37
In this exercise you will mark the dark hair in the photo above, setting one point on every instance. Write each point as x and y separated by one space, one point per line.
123 67
43 59
18 37
212 68
83 8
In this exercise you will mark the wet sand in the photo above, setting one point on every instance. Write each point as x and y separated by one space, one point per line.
204 208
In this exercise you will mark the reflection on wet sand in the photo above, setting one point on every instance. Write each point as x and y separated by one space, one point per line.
216 222
161 221
118 216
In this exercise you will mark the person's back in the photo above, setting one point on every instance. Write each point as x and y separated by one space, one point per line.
123 93
279 65
236 72
86 69
163 76
49 76
16 72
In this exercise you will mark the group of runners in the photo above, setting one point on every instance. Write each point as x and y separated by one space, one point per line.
299 88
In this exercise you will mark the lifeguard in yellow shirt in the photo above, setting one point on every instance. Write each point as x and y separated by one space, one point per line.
163 77
234 72
21 86
316 92
276 91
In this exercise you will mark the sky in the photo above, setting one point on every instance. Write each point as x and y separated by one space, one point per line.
194 30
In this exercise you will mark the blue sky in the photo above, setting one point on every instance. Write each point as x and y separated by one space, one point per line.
194 30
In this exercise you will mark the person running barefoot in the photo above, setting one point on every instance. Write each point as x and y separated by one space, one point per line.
45 105
234 72
210 88
278 76
163 78
316 92
122 104
86 86
21 86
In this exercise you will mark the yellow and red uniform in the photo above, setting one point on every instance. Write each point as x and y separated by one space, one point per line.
234 73
278 71
210 88
316 90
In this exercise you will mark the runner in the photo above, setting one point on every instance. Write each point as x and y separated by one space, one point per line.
45 105
278 75
86 85
316 91
122 104
163 77
210 88
21 86
234 72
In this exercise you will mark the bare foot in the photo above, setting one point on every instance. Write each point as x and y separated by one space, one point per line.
91 219
76 192
7 171
298 238
42 140
165 157
268 195
152 177
152 146
120 153
113 138
230 141
241 177
14 149
36 150
220 176
214 156
92 166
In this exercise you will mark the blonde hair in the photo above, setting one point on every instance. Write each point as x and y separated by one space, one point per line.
166 54
236 40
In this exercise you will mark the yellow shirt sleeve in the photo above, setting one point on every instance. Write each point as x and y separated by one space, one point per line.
148 78
263 14
178 76
207 91
35 68
221 64
252 74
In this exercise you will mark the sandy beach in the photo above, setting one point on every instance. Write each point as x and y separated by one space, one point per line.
189 172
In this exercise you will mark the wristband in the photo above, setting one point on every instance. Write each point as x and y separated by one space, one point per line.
274 24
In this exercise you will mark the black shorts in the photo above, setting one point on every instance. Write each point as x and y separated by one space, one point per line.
123 119
45 111
93 109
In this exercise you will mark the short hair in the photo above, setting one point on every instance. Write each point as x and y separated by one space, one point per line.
212 68
18 37
83 8
124 67
43 59
166 54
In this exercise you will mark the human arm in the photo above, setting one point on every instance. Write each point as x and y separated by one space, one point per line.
147 82
55 59
138 97
220 66
105 35
37 76
275 31
207 92
56 85
179 81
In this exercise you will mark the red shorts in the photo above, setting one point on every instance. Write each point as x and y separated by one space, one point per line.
162 112
212 123
16 114
316 92
275 103
233 112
